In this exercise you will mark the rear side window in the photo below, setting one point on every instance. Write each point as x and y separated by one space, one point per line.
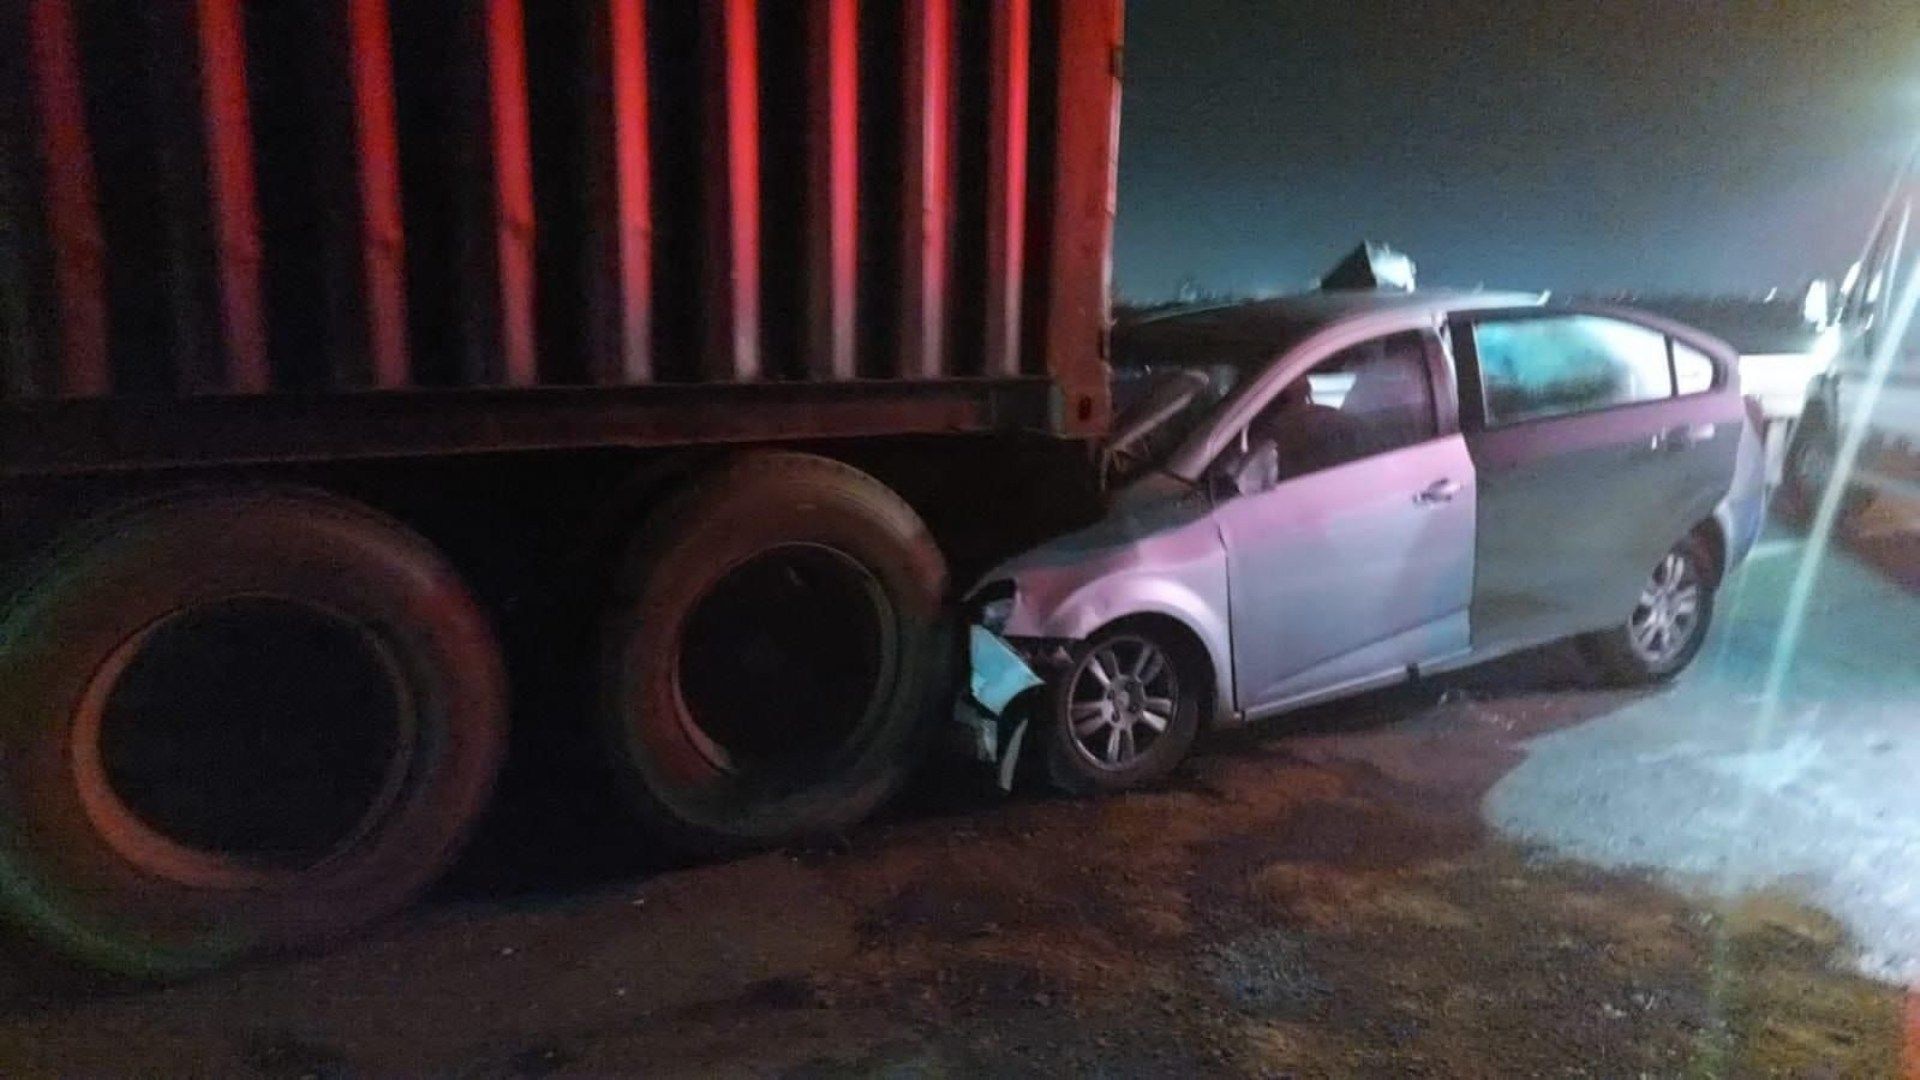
1535 368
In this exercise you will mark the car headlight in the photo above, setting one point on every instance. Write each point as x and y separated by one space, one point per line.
995 613
994 607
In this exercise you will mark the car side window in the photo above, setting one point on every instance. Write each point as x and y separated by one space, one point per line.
1692 370
1540 367
1363 400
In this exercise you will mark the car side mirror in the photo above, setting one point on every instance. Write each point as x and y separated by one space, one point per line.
1249 468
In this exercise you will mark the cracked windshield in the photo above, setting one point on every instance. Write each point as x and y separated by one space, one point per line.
959 538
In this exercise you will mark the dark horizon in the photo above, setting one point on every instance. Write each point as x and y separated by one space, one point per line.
1625 147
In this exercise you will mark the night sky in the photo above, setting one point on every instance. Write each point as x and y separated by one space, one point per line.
1650 146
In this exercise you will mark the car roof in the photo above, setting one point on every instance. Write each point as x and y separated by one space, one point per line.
1752 326
1250 331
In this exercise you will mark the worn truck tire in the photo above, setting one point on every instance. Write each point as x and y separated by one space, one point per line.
234 722
774 655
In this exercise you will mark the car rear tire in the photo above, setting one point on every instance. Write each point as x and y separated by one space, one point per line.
1668 623
234 722
775 654
1126 711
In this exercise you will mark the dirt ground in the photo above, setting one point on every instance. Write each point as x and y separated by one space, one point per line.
1319 905
1320 898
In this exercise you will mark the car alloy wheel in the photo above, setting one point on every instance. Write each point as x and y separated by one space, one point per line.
1125 695
1667 616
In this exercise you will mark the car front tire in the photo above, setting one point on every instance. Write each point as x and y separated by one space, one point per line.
1126 712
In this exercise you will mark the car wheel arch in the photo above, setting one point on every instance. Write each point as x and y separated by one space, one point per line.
1085 611
1713 533
1189 640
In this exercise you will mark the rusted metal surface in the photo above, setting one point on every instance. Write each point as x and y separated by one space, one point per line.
1080 273
214 199
834 187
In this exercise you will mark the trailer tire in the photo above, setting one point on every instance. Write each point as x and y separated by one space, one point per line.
319 669
774 651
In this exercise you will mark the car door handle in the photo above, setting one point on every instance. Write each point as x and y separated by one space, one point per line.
1676 439
1440 491
1690 435
1683 437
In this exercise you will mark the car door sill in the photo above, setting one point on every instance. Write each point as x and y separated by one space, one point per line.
1327 693
1456 661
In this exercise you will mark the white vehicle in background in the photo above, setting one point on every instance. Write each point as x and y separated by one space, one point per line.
1861 417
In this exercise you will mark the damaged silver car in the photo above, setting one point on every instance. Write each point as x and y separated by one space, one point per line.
1321 495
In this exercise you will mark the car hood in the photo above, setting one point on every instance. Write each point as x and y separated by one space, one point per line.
1153 505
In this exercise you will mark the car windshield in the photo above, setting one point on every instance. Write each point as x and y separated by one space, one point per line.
1172 374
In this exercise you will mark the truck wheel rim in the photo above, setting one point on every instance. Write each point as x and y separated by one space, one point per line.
1667 616
784 662
1123 697
259 821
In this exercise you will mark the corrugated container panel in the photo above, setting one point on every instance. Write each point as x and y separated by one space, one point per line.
832 107
379 194
55 302
321 80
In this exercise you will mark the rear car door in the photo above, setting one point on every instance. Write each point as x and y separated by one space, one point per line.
1348 526
1598 442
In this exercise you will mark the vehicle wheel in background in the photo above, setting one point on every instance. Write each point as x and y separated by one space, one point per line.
233 722
775 655
1127 710
1809 469
1668 623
